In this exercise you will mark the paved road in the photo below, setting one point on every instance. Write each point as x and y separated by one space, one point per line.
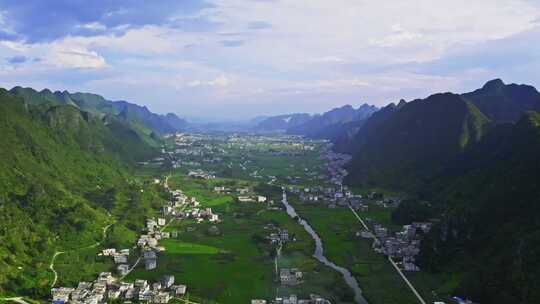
418 296
420 299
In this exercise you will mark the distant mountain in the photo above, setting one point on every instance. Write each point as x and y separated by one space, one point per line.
160 124
504 103
402 147
355 134
148 122
282 123
331 123
326 125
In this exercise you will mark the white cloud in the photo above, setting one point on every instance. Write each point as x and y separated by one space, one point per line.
95 26
399 36
357 30
74 57
338 49
221 81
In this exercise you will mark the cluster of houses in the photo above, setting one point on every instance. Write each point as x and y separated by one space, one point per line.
332 197
107 288
149 241
334 166
404 246
293 299
290 276
120 259
183 206
244 195
279 236
199 173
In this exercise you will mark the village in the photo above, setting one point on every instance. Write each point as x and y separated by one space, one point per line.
203 157
327 190
403 246
108 288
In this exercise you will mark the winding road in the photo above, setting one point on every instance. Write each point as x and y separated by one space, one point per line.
56 254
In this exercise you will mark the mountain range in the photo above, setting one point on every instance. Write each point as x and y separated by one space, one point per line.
140 116
323 126
420 136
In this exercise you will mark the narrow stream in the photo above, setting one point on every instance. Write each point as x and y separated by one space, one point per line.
349 279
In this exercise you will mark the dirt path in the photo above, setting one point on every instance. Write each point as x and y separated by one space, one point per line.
56 254
15 299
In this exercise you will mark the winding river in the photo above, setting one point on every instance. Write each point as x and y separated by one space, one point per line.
319 254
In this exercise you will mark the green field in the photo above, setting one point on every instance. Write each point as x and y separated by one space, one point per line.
179 247
238 265
337 228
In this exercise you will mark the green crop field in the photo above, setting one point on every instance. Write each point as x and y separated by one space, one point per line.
337 227
238 265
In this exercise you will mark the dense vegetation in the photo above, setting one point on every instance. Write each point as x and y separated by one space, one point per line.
140 117
504 103
64 175
470 164
405 147
490 229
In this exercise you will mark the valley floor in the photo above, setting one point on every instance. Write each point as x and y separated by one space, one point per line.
233 260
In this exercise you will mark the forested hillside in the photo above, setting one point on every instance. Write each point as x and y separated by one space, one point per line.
64 174
141 117
407 148
470 161
490 230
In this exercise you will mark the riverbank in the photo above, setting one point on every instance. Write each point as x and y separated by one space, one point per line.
319 253
337 228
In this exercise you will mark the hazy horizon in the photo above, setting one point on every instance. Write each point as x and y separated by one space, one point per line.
236 60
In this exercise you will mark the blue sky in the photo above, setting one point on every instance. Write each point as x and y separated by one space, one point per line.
242 58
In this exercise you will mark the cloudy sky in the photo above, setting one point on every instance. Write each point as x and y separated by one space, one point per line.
242 58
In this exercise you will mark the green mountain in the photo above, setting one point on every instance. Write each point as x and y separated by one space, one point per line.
143 119
475 162
63 171
489 232
405 146
504 103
